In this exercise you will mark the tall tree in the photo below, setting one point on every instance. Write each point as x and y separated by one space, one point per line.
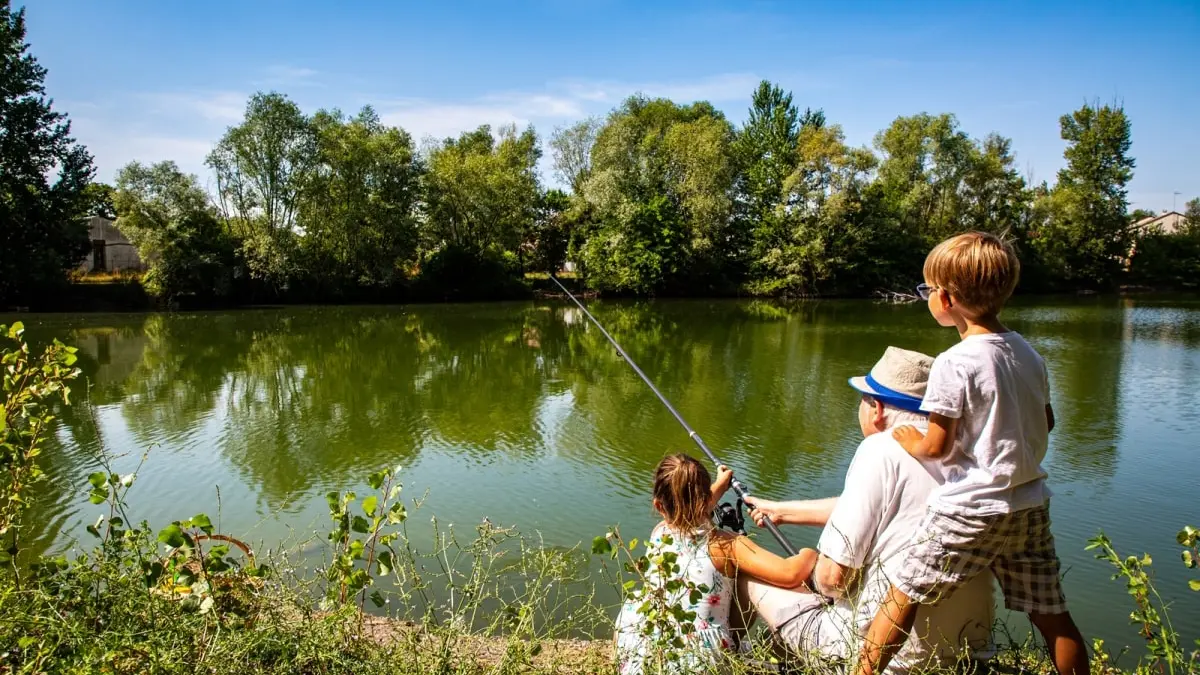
358 209
661 191
43 175
765 151
1086 235
262 165
169 217
571 150
480 191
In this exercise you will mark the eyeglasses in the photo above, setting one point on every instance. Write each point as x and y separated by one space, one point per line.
925 290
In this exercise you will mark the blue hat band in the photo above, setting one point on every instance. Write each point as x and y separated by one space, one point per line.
893 397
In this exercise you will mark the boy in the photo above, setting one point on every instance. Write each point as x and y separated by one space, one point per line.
989 422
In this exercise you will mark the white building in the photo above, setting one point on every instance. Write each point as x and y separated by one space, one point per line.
111 251
1168 222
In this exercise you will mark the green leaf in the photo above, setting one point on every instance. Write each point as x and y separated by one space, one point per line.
601 546
375 480
98 495
377 599
15 330
360 525
384 562
98 479
396 513
1189 560
1194 584
172 535
369 504
201 522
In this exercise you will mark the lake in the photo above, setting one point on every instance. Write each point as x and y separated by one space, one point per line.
521 413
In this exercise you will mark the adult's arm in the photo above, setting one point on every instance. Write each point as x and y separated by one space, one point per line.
799 512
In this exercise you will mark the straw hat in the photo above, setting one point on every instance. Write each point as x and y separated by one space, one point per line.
898 379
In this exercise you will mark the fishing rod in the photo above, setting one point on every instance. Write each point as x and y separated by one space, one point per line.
738 487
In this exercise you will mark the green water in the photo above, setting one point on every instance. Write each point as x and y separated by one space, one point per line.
522 414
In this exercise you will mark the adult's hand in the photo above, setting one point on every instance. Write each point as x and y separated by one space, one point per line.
761 509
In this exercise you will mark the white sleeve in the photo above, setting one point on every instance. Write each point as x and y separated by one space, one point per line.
850 533
946 392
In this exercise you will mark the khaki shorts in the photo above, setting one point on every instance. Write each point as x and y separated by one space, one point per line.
1017 547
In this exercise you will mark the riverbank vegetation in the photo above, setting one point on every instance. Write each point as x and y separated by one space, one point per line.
658 197
373 596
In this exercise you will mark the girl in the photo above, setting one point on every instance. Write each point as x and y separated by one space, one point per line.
708 561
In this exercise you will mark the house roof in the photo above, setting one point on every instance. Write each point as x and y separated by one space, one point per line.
1150 220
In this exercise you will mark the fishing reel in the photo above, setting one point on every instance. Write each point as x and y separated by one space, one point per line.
730 516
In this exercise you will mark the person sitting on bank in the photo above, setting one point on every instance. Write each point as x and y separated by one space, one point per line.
871 523
709 560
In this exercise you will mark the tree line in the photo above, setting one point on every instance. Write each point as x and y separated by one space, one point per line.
657 198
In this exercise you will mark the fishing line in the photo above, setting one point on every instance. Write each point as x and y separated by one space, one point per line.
738 487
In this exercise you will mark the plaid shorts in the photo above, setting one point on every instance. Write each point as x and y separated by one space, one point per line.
949 550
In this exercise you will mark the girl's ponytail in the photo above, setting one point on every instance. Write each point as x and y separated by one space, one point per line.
683 490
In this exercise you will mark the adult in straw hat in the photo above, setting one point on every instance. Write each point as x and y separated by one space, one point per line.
872 521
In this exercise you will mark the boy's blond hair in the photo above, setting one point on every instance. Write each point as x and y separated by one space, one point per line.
978 269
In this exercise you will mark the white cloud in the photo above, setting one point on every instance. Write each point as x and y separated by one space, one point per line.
560 103
183 125
219 106
282 75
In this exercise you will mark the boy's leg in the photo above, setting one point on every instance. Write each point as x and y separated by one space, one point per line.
887 632
1065 642
947 551
1029 576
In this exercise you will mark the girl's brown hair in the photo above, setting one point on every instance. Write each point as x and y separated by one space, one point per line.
683 490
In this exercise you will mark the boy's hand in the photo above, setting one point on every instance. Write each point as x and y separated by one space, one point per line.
721 484
909 438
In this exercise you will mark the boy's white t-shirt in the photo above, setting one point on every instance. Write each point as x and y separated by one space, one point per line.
997 387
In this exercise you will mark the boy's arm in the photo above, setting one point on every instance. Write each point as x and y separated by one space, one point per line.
935 444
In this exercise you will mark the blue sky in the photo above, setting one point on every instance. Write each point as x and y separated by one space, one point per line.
152 80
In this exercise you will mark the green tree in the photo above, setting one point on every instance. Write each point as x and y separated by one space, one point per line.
661 190
358 209
548 237
571 150
262 165
98 198
837 233
765 152
482 191
1086 233
169 217
43 175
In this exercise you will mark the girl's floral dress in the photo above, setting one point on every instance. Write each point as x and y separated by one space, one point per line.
710 636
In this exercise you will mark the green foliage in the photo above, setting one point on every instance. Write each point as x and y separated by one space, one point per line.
358 208
481 190
44 178
262 165
1151 612
1084 230
664 198
168 216
571 149
30 384
660 188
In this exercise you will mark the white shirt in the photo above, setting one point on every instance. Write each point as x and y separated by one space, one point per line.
997 388
876 517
